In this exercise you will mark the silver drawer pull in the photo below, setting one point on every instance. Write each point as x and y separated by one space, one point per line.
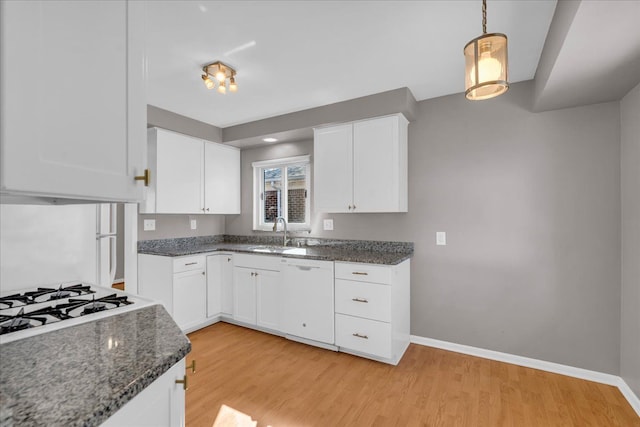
359 273
191 263
359 300
360 336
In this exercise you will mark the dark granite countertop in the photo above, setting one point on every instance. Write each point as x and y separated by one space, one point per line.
365 251
78 376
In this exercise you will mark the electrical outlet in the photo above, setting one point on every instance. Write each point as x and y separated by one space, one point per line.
194 224
441 238
328 224
149 224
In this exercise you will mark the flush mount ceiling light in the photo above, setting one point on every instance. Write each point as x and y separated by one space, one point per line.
220 75
486 63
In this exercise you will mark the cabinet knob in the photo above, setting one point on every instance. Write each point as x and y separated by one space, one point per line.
183 381
228 259
203 273
146 177
354 207
349 207
192 367
207 209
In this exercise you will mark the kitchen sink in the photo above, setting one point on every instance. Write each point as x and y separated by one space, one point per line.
268 248
276 249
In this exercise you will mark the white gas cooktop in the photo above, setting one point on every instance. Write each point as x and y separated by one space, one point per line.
43 309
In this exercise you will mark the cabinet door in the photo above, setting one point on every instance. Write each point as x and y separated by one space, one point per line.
333 165
227 285
221 179
189 298
161 404
73 123
178 183
379 165
215 264
268 298
244 295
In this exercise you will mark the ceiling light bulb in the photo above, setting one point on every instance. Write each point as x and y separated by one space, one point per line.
233 87
269 139
222 88
208 82
220 74
489 68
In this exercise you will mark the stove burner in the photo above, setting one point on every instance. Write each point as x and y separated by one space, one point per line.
19 321
94 307
17 324
62 292
11 300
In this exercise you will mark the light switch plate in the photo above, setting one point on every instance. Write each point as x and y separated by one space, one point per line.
441 238
149 224
327 224
194 224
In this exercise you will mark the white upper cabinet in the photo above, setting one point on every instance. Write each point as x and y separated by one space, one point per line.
333 168
222 179
175 162
190 176
73 106
362 166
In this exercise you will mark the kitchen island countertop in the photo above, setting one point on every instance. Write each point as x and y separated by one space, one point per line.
81 375
361 251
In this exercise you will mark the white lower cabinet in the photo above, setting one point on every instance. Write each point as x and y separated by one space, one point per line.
363 309
179 283
373 310
219 285
189 289
161 404
244 295
256 290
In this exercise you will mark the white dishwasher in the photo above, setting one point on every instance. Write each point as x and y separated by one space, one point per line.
307 298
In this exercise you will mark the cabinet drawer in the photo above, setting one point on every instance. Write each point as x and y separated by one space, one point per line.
369 300
364 272
188 264
363 335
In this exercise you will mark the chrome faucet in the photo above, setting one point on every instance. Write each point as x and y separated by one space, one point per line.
284 224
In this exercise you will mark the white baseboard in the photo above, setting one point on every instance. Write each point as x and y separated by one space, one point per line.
543 365
628 394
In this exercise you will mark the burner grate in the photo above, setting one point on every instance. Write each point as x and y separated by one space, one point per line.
94 304
24 320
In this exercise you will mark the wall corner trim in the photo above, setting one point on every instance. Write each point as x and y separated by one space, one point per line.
543 365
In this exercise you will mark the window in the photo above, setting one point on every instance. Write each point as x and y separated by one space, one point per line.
281 188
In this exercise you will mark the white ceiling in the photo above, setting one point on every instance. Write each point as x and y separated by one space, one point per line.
294 55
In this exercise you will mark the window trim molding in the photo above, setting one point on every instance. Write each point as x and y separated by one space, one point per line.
257 189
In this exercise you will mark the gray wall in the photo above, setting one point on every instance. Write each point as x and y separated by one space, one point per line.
630 165
531 206
168 226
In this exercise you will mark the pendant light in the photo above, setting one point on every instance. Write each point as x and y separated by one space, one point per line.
486 67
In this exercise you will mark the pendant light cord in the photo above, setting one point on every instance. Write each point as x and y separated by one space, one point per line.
484 16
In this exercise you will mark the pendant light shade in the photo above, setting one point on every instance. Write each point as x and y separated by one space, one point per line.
486 69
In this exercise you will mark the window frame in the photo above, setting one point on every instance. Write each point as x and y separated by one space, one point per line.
258 191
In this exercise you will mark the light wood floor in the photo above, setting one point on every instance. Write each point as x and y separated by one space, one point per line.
283 383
